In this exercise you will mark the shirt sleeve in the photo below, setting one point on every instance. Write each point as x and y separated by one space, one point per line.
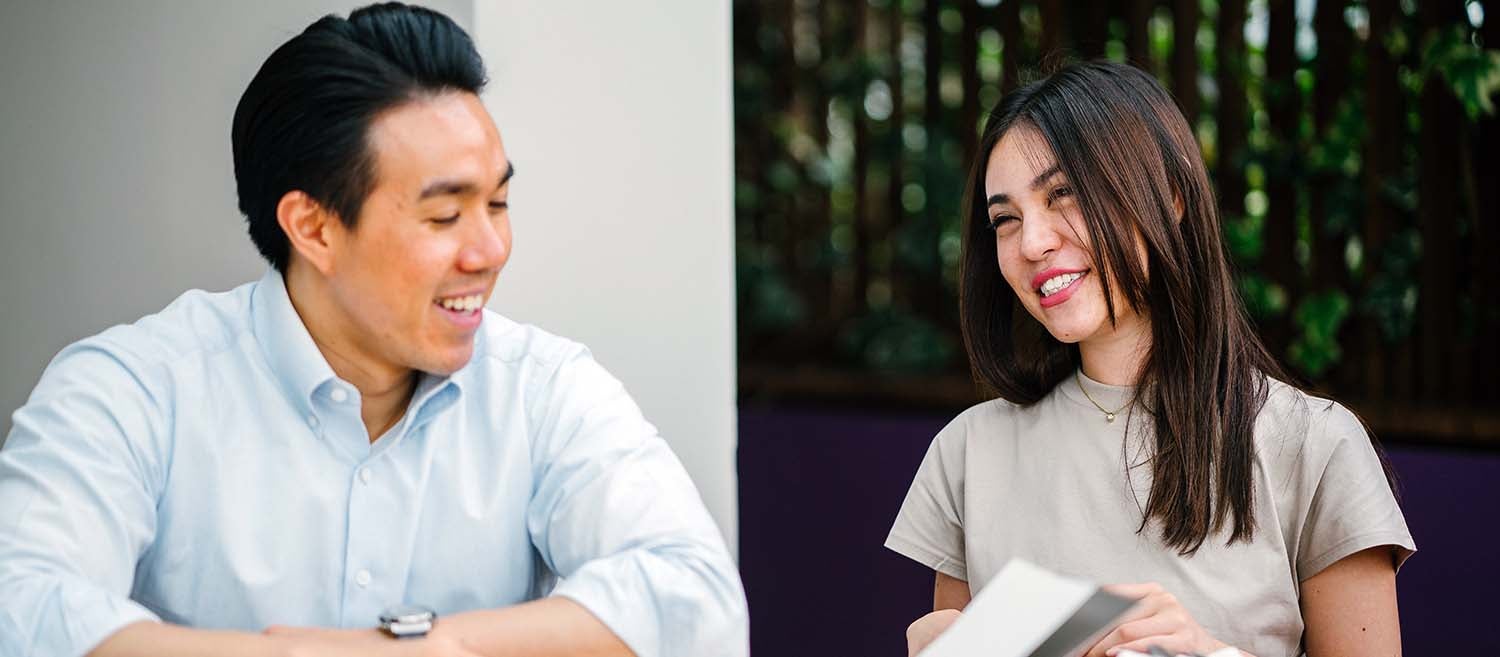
1352 507
930 527
76 508
616 517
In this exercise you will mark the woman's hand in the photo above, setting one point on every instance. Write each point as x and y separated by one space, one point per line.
1157 619
927 628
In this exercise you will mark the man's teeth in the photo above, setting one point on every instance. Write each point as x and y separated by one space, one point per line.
462 304
1059 282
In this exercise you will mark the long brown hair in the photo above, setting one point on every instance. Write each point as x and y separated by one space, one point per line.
1136 170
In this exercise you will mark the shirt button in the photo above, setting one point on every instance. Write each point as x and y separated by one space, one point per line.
312 421
364 475
339 395
362 578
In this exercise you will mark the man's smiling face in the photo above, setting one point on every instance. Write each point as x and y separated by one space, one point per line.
413 275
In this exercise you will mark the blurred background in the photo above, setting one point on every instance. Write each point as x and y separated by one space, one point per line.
1353 145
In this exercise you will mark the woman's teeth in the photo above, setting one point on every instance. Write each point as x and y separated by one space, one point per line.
1056 283
462 304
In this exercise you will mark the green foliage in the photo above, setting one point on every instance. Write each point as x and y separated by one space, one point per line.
895 342
1318 318
800 261
1473 73
767 301
1263 299
1392 297
1244 237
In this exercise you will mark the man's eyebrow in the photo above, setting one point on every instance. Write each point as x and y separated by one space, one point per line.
1036 183
459 187
447 188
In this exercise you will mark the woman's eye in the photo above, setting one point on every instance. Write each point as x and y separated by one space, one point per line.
445 220
498 206
1060 192
999 220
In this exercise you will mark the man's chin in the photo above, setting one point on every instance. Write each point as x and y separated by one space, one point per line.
448 362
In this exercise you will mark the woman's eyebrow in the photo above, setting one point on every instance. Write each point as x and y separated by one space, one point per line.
1036 183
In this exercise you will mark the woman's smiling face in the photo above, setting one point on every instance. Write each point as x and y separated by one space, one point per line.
1042 243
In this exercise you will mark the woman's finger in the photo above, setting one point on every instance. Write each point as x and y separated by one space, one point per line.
1173 644
1133 590
1125 633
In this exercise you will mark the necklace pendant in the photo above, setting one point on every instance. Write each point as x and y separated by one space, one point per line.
1109 417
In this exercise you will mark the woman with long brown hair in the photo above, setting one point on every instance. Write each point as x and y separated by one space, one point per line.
1143 436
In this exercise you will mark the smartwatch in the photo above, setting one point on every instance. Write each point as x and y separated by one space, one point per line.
407 621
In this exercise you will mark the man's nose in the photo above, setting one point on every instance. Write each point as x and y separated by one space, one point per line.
487 246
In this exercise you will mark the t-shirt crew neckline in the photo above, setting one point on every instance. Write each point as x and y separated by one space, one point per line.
1112 398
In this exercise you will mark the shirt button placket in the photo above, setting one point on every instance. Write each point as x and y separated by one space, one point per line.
358 558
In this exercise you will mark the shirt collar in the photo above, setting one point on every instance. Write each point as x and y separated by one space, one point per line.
299 366
434 394
294 359
1094 394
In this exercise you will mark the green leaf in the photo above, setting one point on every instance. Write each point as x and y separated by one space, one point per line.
1473 73
1318 319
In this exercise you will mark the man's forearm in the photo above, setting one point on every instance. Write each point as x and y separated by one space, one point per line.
162 640
150 639
552 626
541 628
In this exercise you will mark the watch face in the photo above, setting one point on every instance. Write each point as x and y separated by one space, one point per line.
404 621
407 614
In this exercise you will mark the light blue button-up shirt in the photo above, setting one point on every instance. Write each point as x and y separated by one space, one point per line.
204 466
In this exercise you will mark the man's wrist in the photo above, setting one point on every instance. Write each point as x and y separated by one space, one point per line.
407 621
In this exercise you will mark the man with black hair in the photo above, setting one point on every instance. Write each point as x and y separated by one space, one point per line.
353 450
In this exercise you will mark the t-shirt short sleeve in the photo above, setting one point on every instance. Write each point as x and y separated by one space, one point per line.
1352 506
929 527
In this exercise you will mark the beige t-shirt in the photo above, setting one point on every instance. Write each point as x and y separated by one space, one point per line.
1048 483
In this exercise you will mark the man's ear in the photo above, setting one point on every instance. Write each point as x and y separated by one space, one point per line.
311 229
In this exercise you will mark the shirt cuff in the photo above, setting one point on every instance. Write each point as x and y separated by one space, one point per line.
1400 541
76 619
610 598
955 568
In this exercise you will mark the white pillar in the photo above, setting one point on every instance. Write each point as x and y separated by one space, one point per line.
618 118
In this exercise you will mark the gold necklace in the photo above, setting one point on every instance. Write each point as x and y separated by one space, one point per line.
1109 416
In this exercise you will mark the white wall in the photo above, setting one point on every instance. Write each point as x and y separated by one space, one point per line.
116 182
117 189
617 116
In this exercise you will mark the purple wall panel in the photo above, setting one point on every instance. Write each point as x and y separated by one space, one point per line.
818 492
1448 590
819 489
